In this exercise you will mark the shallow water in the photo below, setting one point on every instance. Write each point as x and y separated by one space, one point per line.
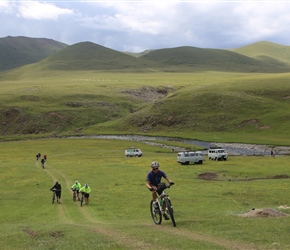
232 148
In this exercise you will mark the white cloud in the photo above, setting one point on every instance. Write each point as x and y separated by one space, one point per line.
39 10
146 24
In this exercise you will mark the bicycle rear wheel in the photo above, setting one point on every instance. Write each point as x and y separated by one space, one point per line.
53 197
156 214
170 211
82 200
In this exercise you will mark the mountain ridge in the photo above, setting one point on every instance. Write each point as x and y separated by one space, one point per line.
49 54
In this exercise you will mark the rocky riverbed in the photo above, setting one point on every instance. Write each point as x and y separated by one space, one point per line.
232 148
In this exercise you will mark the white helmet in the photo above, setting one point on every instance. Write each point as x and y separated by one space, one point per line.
154 164
76 182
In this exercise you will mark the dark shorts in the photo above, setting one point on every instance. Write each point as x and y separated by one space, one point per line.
87 195
58 194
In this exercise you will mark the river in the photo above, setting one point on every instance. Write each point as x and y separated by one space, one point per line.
232 148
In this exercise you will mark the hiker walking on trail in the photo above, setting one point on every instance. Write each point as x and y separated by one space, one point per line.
42 163
57 188
38 156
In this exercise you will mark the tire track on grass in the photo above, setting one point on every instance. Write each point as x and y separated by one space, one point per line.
102 228
227 244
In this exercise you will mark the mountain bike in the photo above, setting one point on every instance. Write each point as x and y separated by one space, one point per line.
53 195
163 201
83 198
74 194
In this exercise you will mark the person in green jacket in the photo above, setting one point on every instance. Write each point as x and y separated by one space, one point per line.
86 190
76 187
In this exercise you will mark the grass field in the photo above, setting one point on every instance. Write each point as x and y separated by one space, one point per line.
211 106
207 211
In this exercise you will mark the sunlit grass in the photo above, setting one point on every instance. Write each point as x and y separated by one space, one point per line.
119 206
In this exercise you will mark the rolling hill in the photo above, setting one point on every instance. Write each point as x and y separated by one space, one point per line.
91 56
257 57
213 59
19 51
272 53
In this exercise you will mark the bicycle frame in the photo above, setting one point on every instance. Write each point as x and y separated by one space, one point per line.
164 203
53 195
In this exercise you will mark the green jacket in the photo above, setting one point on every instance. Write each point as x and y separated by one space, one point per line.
76 186
85 190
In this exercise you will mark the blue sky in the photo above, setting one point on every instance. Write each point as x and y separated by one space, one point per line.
136 26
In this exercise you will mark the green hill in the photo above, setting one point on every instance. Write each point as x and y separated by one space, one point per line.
19 51
273 53
212 59
91 56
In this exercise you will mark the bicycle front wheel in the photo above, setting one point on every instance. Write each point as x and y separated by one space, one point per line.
74 196
156 214
170 211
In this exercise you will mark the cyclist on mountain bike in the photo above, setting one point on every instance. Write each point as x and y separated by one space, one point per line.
86 191
76 187
153 179
57 188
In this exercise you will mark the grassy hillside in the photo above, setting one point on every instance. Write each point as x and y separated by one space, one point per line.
207 105
273 53
212 59
259 57
91 56
18 51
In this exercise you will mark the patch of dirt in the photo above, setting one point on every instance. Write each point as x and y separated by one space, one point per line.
263 213
214 176
29 232
30 98
56 234
207 176
148 94
253 122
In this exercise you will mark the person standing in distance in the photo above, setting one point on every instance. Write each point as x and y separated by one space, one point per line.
153 178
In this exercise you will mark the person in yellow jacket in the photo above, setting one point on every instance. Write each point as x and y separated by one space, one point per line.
76 187
86 191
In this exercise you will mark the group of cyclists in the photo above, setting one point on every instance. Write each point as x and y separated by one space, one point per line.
153 178
76 187
43 160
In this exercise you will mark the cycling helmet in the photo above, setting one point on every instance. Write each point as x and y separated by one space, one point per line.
56 182
154 164
76 182
86 185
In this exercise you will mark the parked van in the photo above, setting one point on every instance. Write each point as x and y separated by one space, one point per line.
217 154
133 152
185 158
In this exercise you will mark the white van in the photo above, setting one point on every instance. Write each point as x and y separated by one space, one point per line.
185 158
217 154
133 152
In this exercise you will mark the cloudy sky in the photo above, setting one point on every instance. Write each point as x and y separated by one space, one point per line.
145 24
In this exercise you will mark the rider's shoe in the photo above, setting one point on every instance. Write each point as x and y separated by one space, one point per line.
166 217
156 207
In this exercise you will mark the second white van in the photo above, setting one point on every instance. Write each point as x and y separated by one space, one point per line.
185 158
217 154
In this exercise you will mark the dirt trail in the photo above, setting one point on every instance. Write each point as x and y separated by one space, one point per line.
130 242
95 225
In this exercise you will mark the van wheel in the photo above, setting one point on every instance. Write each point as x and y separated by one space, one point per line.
187 163
200 162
